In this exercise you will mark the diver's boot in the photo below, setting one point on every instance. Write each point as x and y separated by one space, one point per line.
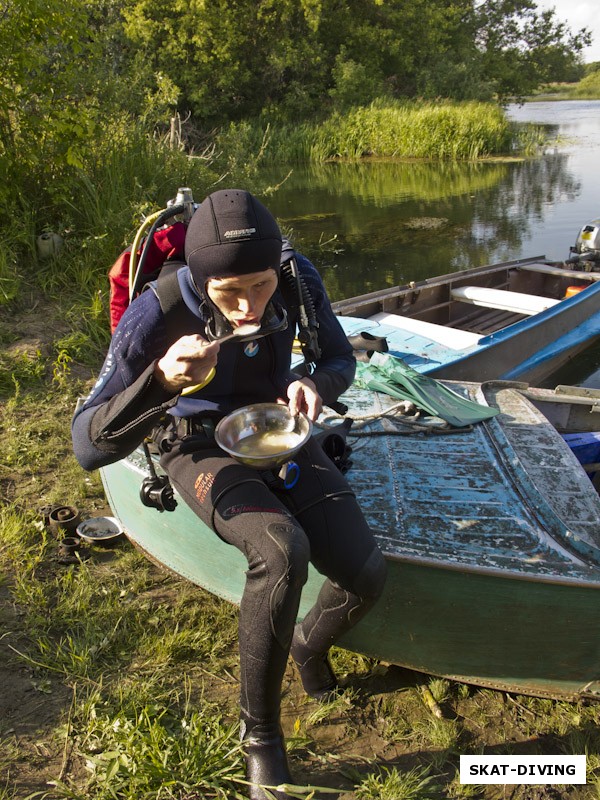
334 613
316 673
266 759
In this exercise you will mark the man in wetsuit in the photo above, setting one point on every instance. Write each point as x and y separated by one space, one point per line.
234 251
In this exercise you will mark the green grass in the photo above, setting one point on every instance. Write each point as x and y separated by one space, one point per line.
417 784
386 129
156 750
130 175
587 88
149 663
139 667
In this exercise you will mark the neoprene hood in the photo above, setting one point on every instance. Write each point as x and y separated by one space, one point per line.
231 233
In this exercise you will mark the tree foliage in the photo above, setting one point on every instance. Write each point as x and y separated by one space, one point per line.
229 60
522 48
54 88
68 69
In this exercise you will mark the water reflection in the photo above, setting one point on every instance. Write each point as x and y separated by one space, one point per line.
378 224
576 122
504 216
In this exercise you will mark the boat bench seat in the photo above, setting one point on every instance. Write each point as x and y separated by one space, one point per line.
453 338
516 302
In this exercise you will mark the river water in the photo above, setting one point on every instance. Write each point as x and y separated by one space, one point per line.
376 224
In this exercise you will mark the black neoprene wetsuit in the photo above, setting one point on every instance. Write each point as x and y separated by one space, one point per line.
278 530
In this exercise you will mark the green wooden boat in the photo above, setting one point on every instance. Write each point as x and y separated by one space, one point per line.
491 533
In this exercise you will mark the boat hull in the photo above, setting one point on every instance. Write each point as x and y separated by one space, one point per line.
533 349
487 627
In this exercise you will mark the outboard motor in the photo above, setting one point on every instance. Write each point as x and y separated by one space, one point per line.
587 246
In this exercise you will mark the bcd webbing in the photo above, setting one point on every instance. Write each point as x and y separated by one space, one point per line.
179 320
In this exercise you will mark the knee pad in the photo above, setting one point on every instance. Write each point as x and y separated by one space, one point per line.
292 545
370 580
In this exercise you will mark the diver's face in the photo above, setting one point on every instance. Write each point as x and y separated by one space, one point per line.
242 299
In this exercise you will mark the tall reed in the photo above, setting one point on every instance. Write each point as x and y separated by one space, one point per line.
130 174
387 129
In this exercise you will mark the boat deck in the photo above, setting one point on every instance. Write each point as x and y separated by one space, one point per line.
493 497
421 344
486 321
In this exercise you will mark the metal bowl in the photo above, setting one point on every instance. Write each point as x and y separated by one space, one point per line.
104 531
263 435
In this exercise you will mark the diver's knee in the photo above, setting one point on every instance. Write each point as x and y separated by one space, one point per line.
291 551
371 579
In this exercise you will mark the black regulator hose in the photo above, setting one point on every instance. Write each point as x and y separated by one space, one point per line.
308 323
166 215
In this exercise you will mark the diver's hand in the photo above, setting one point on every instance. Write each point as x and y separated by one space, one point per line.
303 396
187 362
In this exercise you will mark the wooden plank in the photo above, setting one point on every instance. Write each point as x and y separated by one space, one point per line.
489 322
547 269
516 302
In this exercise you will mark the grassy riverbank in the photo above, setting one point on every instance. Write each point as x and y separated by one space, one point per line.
97 205
587 88
120 681
384 129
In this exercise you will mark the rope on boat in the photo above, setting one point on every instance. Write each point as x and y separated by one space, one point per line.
410 422
412 428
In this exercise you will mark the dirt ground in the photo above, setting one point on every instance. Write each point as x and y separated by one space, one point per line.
30 709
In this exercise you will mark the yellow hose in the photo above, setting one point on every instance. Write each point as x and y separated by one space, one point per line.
135 247
198 386
133 275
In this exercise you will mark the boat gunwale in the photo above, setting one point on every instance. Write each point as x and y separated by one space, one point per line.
497 572
488 340
436 280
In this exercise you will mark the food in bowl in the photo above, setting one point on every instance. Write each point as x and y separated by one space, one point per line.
263 435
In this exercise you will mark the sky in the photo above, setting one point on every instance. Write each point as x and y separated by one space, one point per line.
578 14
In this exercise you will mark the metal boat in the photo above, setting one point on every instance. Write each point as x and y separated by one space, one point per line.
518 320
491 533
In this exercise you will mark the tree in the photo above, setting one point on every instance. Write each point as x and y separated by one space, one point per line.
52 79
227 60
521 48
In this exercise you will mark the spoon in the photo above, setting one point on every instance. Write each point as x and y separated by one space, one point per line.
241 331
